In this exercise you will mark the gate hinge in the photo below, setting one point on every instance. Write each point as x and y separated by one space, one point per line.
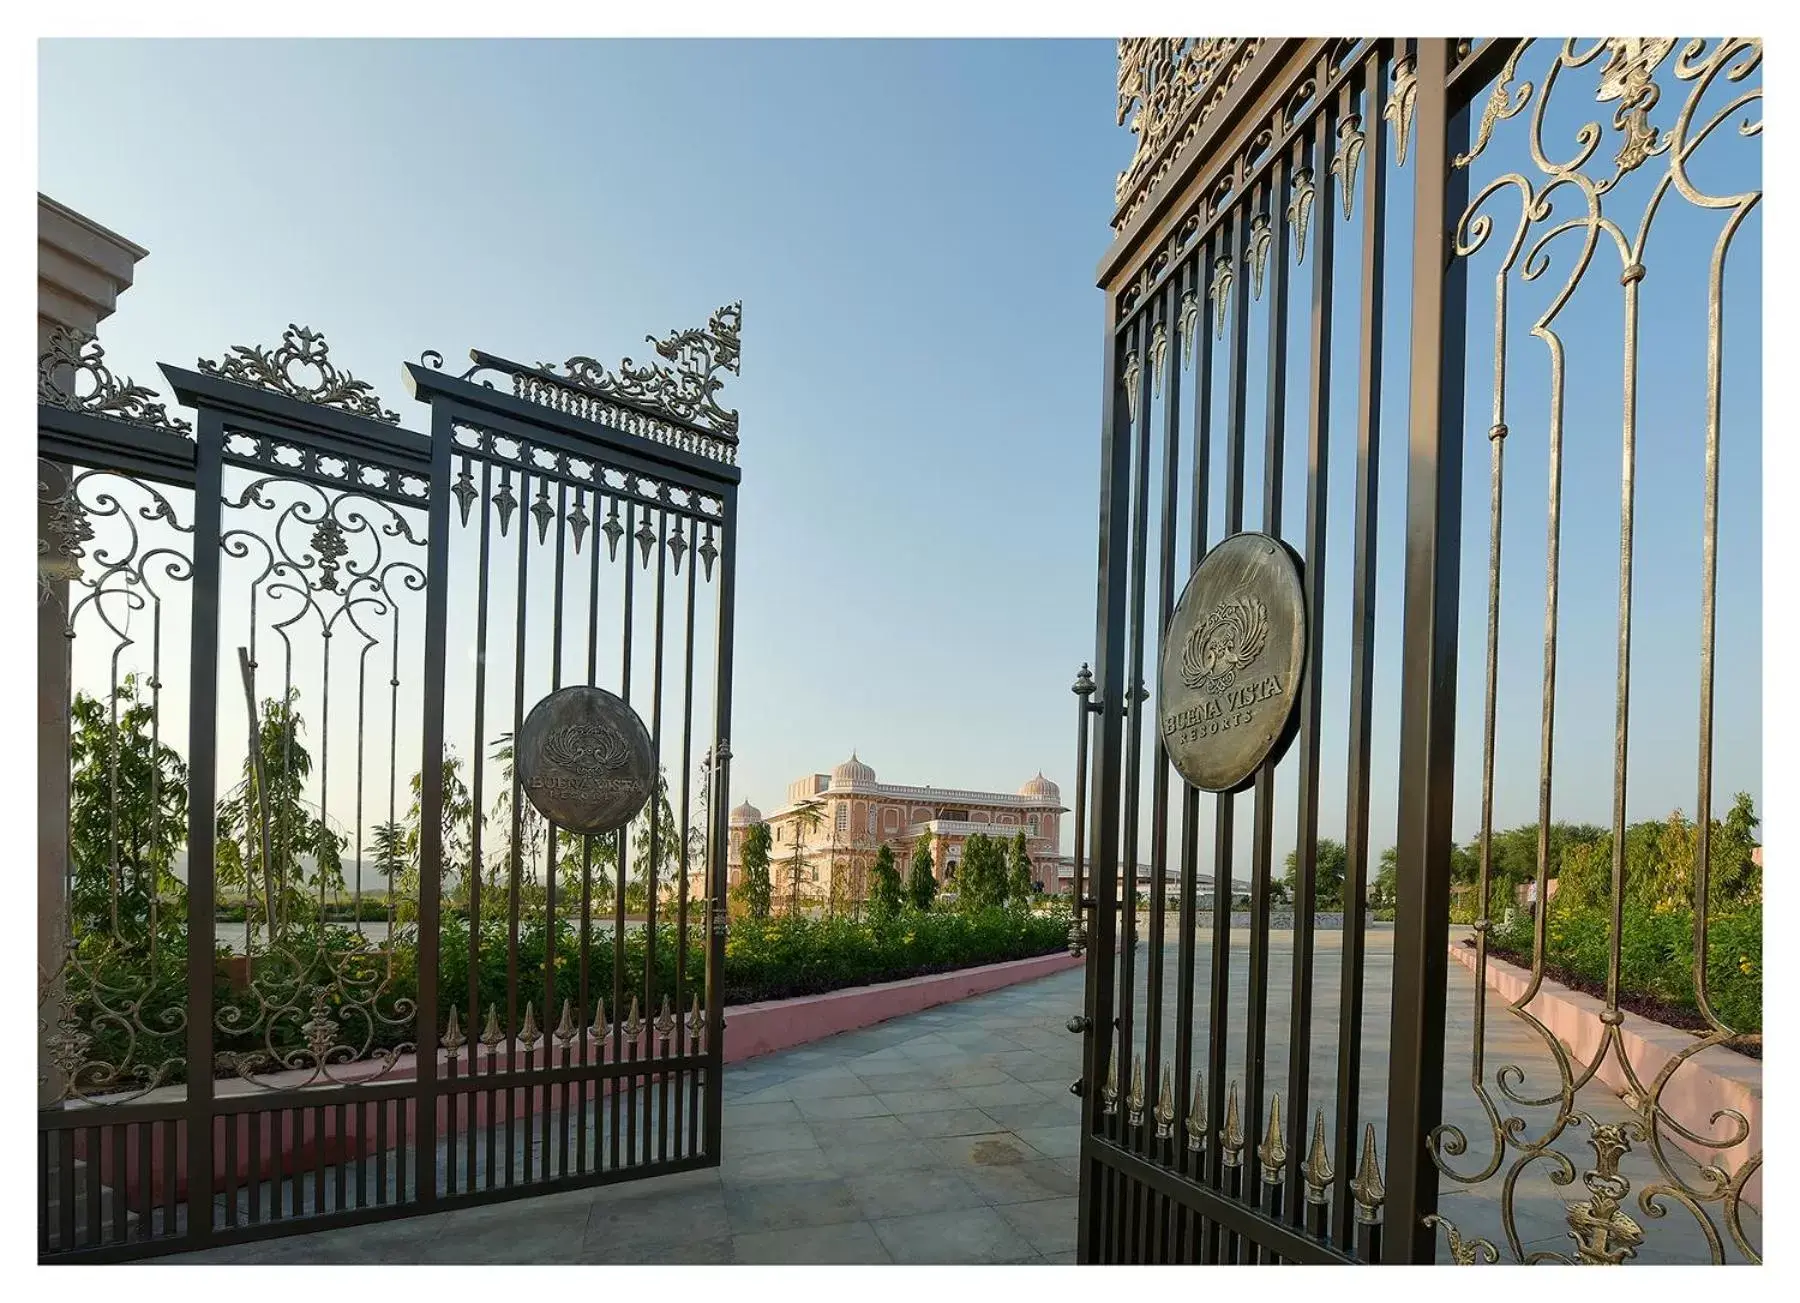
1076 1089
1079 1023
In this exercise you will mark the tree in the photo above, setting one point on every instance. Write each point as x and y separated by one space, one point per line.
754 884
128 808
1385 893
808 815
1329 865
1019 885
921 887
272 830
981 881
884 898
457 817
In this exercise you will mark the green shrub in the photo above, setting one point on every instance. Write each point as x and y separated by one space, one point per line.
1656 955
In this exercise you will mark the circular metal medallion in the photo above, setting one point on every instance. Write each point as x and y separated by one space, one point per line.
1232 660
585 760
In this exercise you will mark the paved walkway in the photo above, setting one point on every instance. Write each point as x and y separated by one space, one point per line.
950 1137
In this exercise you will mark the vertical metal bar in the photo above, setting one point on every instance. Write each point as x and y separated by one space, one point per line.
1262 841
681 899
381 1148
622 860
431 799
65 1190
1190 803
1428 663
96 1232
171 1141
652 1094
1223 884
317 1116
117 1132
1159 791
1362 642
1103 832
590 1053
551 927
146 1183
203 761
277 1152
1131 704
718 822
1306 833
478 767
230 1191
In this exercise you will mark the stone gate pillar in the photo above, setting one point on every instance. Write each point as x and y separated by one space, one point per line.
82 270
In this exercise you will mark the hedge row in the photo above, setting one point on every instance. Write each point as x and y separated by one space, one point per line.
1656 959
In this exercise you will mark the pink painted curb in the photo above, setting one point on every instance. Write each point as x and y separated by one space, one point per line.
752 1030
1712 1080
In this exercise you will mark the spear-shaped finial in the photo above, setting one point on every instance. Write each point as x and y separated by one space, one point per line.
665 1020
565 1029
1134 1102
1165 1107
1231 1138
454 1039
1318 1164
529 1034
491 1034
600 1029
634 1025
1109 1093
1273 1150
1368 1190
1196 1122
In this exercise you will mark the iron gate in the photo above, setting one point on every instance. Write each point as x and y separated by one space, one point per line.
317 959
1207 1135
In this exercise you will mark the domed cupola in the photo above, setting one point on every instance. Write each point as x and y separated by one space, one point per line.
1041 789
745 815
852 773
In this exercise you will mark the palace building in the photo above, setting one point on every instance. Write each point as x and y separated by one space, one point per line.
831 825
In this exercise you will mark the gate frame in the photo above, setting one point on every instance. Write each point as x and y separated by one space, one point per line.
595 418
1205 146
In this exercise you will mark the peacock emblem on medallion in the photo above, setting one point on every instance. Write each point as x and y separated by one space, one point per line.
586 749
1224 644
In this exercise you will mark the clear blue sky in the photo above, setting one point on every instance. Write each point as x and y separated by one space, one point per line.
913 228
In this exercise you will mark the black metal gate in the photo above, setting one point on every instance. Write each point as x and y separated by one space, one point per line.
1208 1134
316 959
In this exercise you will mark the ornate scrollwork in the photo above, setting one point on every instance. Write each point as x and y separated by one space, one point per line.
1464 1253
73 354
1167 90
305 348
688 392
315 1002
1626 73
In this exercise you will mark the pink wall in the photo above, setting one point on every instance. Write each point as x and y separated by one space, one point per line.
1709 1081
